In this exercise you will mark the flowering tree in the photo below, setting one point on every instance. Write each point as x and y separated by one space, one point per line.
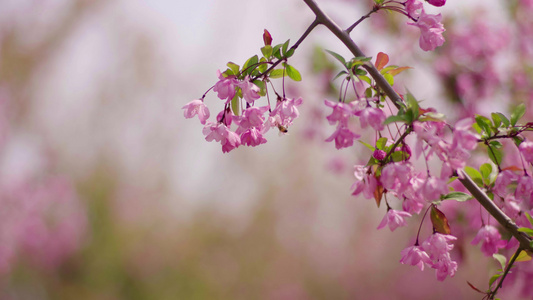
420 159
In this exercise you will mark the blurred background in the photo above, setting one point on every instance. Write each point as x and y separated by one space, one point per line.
108 192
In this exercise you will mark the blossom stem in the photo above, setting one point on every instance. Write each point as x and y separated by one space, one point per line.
507 269
374 9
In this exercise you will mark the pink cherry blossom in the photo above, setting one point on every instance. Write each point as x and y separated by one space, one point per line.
463 135
365 183
220 133
249 90
252 117
214 131
252 137
372 116
396 176
287 110
232 141
394 219
526 149
491 240
444 266
196 107
225 87
524 188
437 245
431 30
412 7
341 112
502 182
343 137
415 256
434 187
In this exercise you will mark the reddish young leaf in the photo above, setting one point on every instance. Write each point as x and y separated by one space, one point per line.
378 194
513 168
475 288
381 60
439 220
397 71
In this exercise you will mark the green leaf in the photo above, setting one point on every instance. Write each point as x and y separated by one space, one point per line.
277 73
529 218
381 143
493 279
360 72
368 92
267 51
484 124
526 230
517 113
504 119
457 196
275 51
341 73
235 107
263 66
289 53
399 156
495 144
389 78
496 119
285 47
439 221
475 175
262 87
365 79
337 56
486 170
233 67
495 155
293 73
523 256
248 65
501 259
413 105
393 119
368 145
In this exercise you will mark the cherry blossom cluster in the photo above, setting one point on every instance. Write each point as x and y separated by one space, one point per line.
238 88
434 252
254 121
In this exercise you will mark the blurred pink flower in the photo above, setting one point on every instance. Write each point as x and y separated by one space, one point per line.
491 240
526 149
372 116
431 30
415 256
343 137
394 219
